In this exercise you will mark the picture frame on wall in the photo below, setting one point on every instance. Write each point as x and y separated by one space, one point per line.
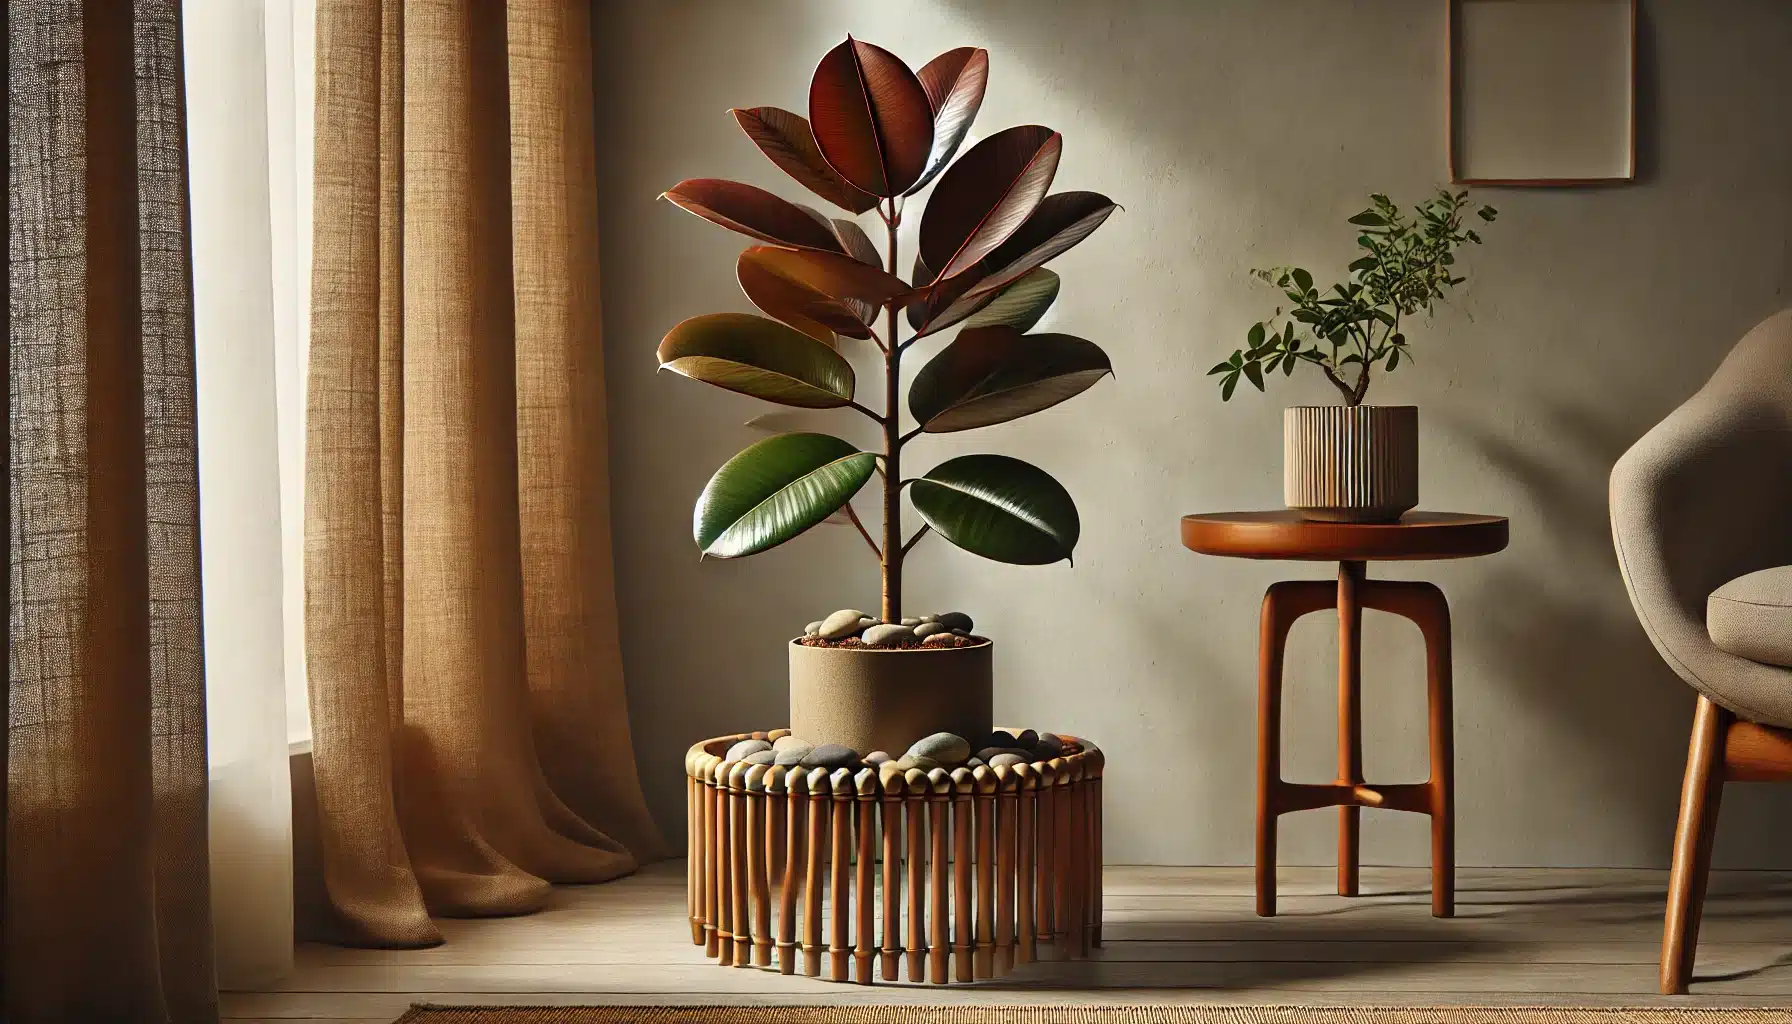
1542 92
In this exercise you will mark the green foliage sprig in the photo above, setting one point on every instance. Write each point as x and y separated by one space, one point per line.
1355 325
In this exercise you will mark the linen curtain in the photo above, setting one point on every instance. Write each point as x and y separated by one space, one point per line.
470 733
107 900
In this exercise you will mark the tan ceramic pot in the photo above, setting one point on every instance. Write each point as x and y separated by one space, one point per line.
1350 465
870 699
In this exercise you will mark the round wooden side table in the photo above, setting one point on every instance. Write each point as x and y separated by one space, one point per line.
1416 536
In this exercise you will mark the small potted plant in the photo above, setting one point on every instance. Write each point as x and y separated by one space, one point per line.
1356 462
877 133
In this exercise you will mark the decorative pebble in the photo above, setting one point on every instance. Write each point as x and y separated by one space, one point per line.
938 640
762 757
954 620
1048 746
787 741
911 621
930 618
744 747
841 624
989 754
1006 760
886 635
961 632
997 738
975 762
793 754
831 755
1027 739
910 762
877 757
813 628
927 629
947 749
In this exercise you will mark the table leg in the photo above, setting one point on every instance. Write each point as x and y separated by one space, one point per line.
1283 603
1425 605
1350 720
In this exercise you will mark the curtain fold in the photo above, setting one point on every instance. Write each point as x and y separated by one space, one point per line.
107 897
470 732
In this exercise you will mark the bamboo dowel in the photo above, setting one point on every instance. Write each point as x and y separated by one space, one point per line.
692 856
1026 949
758 867
1045 859
797 782
775 801
939 796
819 792
892 822
707 831
864 891
1067 933
915 780
984 782
1007 809
738 852
962 831
840 890
724 866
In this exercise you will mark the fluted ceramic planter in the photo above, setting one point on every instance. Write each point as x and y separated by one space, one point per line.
1350 464
871 699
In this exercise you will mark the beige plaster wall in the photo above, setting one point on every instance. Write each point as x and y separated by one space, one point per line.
1236 134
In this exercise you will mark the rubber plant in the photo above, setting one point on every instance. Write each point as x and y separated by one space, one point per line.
877 134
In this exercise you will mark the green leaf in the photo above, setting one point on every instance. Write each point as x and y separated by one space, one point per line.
1001 508
1021 304
1393 359
1227 386
776 489
1302 278
995 374
1369 218
1366 263
1254 338
1255 373
1220 368
1288 365
752 355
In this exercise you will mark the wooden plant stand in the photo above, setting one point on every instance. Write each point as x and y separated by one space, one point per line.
1417 535
982 867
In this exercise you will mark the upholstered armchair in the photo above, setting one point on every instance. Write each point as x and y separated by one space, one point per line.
1702 520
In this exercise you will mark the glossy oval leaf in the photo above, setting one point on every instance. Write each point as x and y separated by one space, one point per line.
775 490
754 356
1021 304
1060 222
987 195
995 374
1001 508
954 82
753 212
780 287
870 117
785 138
937 306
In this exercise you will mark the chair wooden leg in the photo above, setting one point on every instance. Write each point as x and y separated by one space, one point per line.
1283 603
1700 795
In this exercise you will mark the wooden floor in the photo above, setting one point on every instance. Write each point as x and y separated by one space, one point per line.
1523 936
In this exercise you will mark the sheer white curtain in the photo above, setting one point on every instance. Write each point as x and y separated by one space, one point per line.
235 94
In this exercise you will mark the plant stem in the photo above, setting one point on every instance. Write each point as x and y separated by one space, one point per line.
892 549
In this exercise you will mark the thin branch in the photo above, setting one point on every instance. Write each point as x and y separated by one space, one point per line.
922 532
854 516
874 416
877 339
910 436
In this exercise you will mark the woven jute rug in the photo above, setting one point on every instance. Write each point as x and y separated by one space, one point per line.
1081 1015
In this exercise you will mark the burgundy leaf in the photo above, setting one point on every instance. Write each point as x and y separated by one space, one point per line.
785 138
753 212
870 117
954 82
790 288
987 195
